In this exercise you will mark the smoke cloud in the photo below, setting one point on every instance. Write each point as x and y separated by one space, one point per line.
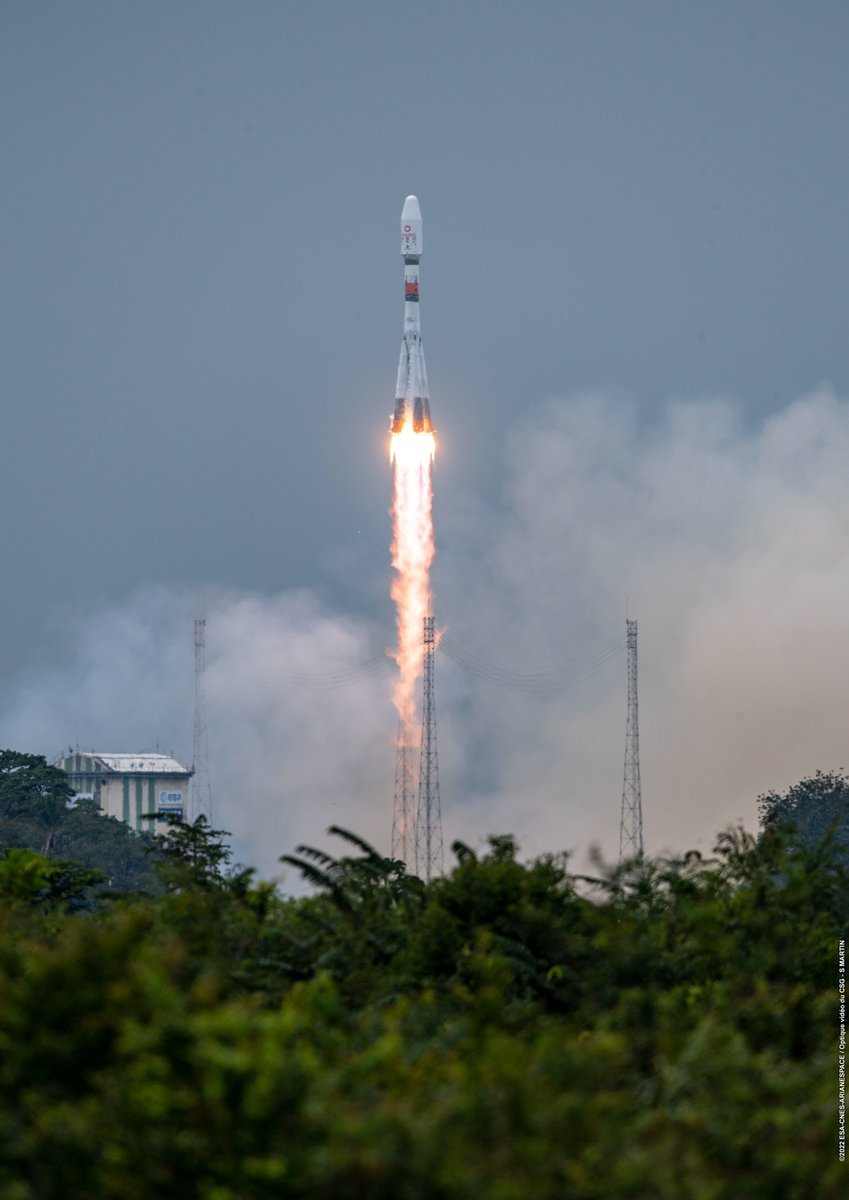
727 543
300 721
729 547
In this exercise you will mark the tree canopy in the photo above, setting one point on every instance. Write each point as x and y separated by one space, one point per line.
38 812
512 1029
815 812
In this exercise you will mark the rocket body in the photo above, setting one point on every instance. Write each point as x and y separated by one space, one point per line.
412 398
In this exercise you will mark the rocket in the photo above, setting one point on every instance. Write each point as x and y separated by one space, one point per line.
411 391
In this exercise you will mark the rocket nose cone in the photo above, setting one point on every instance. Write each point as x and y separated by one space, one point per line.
411 210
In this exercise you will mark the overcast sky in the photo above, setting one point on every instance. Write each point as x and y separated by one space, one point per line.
631 209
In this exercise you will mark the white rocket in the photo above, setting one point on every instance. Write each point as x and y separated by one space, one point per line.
411 391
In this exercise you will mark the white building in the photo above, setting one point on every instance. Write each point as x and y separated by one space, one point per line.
128 786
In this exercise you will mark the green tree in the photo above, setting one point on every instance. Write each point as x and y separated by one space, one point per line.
38 812
193 854
814 809
35 793
33 879
359 922
663 1028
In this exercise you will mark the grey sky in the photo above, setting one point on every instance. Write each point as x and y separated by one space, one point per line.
201 285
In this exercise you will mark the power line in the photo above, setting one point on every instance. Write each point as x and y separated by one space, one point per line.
322 679
554 678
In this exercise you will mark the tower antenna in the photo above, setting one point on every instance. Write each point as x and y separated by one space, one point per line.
201 790
631 821
403 811
429 817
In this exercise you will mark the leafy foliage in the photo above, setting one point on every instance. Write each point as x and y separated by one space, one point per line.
194 855
665 1028
816 810
37 812
44 882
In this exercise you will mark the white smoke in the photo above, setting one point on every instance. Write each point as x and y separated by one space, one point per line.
728 542
731 547
298 710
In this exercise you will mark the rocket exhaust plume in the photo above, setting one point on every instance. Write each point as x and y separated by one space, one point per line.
411 451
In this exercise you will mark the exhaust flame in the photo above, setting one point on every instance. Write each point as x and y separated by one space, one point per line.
412 555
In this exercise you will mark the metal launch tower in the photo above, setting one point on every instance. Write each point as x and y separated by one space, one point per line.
403 811
631 821
429 854
201 790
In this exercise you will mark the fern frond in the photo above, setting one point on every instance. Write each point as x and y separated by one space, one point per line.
319 856
359 842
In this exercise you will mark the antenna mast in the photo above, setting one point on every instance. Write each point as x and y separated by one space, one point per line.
631 821
429 817
403 812
201 790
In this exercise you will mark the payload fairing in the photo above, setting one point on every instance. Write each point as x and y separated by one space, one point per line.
411 391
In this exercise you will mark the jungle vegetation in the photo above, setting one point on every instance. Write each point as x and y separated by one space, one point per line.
513 1031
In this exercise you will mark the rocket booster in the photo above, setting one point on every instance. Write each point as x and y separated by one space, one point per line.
411 391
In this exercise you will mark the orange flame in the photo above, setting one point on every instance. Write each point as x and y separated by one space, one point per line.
412 555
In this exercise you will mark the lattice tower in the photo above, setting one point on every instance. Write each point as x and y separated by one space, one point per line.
404 810
429 854
201 790
631 822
